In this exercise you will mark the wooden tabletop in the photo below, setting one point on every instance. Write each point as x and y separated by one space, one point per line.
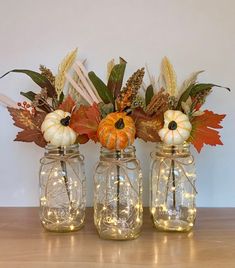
24 243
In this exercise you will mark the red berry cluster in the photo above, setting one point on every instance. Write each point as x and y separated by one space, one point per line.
27 106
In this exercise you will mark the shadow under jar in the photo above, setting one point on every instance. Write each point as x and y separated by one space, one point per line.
118 211
172 188
62 189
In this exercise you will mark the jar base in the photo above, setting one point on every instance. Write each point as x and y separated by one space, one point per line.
62 229
62 220
173 225
117 234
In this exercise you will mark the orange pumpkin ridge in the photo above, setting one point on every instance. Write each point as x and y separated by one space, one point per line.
116 131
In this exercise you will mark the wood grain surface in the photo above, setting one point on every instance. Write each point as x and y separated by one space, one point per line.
24 243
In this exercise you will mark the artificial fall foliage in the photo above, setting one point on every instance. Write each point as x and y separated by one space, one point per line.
85 121
30 123
203 130
67 105
89 100
163 94
147 127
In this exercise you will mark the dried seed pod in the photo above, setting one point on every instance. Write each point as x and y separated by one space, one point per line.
130 91
47 73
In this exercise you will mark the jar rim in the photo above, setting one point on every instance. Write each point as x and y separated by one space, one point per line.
185 145
54 147
181 150
62 150
129 151
128 148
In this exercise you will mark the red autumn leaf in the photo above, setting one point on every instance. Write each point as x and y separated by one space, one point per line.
86 120
203 130
67 105
147 127
31 125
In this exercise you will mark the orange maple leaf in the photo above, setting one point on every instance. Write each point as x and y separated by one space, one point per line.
67 105
85 120
203 130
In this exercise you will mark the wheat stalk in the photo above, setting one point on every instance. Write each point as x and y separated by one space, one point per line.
169 77
63 68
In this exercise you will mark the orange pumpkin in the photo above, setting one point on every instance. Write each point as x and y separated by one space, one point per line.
116 131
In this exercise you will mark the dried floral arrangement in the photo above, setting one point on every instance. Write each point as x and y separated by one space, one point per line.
107 119
173 114
111 113
89 109
46 116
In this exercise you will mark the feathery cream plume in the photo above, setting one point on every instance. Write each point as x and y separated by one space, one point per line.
189 81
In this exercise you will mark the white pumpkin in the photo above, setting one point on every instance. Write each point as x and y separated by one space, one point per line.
177 128
56 130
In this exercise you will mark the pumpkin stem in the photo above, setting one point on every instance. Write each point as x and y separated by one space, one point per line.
65 121
172 125
120 124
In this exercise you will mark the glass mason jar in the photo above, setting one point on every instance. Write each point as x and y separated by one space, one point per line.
118 211
172 188
62 189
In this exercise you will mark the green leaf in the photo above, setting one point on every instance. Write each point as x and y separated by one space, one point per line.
38 78
116 78
29 95
61 97
105 109
148 94
184 96
103 91
195 89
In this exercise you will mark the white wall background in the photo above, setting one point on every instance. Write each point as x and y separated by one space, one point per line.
195 35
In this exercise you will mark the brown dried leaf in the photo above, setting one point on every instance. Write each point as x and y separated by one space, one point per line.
22 118
147 127
31 135
31 125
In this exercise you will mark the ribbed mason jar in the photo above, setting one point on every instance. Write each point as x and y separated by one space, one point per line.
118 211
172 187
62 189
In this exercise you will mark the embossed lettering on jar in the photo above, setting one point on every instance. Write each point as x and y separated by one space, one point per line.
172 188
62 189
118 195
